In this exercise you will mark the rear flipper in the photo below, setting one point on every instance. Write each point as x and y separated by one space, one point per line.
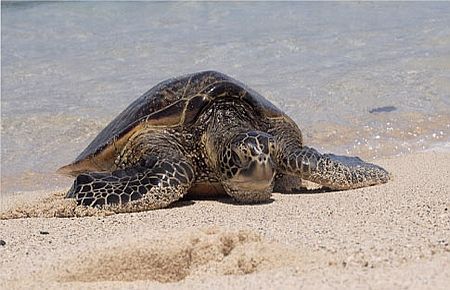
334 171
138 187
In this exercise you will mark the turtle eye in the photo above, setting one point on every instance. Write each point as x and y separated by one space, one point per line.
252 149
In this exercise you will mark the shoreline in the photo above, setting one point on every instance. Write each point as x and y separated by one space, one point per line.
392 235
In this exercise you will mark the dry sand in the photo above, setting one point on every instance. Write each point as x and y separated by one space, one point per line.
390 236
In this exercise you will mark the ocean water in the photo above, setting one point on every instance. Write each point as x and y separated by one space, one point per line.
366 79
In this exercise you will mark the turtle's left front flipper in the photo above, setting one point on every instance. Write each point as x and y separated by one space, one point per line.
154 184
333 171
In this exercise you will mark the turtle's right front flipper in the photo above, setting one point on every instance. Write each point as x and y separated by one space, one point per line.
333 171
149 185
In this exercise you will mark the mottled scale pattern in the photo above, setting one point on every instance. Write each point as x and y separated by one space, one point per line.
159 182
334 171
248 146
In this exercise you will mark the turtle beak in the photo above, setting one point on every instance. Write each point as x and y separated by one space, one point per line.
257 175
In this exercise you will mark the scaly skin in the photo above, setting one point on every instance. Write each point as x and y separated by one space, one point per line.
152 173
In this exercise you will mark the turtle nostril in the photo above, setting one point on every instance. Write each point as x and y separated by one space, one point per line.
263 158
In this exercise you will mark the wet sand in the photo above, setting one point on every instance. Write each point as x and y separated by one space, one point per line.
390 236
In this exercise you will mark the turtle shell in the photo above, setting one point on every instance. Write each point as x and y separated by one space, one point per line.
171 103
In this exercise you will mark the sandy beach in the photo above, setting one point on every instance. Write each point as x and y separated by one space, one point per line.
392 236
366 79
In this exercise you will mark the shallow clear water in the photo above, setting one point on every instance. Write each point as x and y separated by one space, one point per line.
367 79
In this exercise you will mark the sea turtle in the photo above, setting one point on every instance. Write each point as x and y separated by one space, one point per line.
208 133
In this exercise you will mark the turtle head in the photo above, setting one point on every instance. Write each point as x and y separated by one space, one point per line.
247 167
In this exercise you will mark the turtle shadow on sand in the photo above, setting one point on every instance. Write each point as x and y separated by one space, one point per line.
304 190
232 201
297 191
182 203
191 197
